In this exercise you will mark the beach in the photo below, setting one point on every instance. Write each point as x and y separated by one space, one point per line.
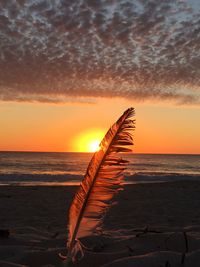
99 133
152 224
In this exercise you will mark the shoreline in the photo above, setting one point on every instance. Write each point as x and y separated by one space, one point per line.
75 179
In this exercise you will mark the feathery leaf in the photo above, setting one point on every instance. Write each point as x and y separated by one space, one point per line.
100 183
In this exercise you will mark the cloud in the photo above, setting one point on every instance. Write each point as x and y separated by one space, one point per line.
56 51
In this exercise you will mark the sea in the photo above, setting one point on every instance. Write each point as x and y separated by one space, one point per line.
66 169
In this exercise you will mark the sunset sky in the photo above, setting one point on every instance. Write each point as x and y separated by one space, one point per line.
68 70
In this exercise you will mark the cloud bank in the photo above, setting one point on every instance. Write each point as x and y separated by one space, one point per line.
51 51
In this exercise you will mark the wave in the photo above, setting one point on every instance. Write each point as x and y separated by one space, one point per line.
39 179
151 177
72 179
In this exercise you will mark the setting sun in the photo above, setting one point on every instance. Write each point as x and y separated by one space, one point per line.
89 140
94 145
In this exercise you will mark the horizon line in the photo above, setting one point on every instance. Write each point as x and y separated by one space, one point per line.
142 153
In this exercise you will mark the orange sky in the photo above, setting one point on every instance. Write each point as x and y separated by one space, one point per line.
160 128
59 74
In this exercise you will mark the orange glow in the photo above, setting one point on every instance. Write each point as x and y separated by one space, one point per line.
88 141
94 145
74 128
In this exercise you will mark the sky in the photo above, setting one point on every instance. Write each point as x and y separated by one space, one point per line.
68 70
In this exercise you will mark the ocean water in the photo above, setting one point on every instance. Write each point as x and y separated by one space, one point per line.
44 168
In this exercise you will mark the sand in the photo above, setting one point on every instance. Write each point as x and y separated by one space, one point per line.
152 225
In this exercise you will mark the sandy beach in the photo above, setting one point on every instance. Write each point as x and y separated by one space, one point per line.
155 224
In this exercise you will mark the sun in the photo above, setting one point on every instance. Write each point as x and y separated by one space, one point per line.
89 140
94 145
